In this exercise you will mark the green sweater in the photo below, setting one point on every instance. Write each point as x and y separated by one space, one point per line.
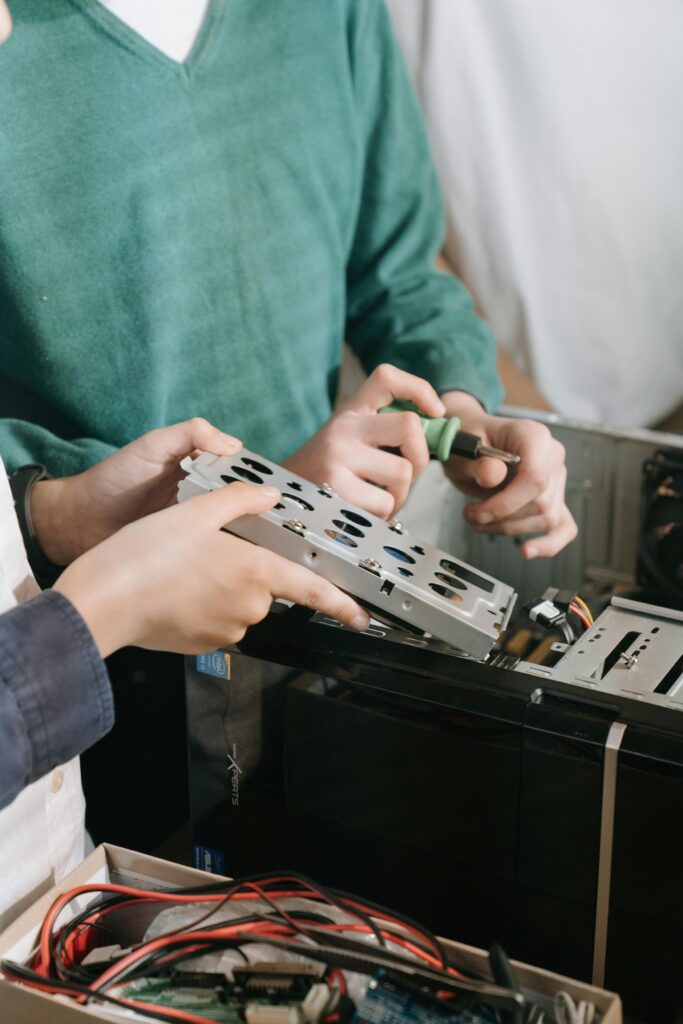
199 239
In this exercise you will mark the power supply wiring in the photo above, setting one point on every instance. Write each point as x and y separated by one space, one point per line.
580 615
584 607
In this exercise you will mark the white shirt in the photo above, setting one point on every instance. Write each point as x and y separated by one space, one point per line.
557 128
171 25
42 832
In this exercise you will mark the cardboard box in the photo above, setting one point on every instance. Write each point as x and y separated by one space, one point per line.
22 1005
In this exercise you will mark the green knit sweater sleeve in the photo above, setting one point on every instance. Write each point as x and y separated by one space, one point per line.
22 443
401 309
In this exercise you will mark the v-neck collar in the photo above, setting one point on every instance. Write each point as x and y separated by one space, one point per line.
128 37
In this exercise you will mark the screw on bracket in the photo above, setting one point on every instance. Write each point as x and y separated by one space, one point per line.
395 525
629 660
371 565
295 525
326 491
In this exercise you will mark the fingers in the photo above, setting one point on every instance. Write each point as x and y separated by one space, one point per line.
5 23
557 528
553 541
300 585
542 462
191 435
401 430
359 492
530 500
387 383
391 472
540 515
486 473
216 508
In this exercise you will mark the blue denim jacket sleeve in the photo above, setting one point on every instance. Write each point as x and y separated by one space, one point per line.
55 695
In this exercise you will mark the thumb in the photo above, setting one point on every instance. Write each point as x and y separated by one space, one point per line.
485 473
488 472
181 439
216 508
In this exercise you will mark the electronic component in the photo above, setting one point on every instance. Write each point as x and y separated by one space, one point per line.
392 573
161 976
275 979
551 611
296 996
393 1000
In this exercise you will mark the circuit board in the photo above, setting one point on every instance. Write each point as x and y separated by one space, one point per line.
393 574
211 1003
260 994
392 1001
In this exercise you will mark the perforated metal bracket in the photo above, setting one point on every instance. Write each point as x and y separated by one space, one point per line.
379 563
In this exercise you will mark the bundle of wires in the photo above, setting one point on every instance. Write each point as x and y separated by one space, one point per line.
552 609
59 967
579 607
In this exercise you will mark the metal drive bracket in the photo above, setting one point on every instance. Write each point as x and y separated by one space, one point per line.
389 571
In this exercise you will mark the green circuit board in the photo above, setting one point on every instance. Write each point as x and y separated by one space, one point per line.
213 1003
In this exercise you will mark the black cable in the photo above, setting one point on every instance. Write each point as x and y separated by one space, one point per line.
298 884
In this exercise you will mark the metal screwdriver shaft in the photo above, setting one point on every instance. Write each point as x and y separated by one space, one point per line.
498 453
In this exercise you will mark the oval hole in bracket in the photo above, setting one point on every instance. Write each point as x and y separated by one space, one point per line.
258 466
247 474
355 517
451 581
341 538
446 592
347 528
301 502
400 556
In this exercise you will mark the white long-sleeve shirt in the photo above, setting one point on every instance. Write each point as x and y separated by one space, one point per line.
557 128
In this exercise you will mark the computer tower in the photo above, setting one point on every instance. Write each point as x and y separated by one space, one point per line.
539 805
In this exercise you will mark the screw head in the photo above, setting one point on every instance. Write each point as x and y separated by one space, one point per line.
326 491
295 525
372 565
395 525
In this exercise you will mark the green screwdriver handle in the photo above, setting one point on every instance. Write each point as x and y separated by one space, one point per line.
439 432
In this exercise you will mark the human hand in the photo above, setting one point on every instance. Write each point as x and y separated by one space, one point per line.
73 514
5 22
175 581
347 452
526 499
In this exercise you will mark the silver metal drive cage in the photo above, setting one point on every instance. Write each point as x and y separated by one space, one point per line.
378 562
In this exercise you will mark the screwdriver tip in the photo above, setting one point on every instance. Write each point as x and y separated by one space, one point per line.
498 453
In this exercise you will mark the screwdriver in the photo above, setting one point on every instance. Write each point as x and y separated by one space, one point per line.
445 438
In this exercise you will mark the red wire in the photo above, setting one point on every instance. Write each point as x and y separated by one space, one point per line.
581 615
247 892
395 920
201 938
336 976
